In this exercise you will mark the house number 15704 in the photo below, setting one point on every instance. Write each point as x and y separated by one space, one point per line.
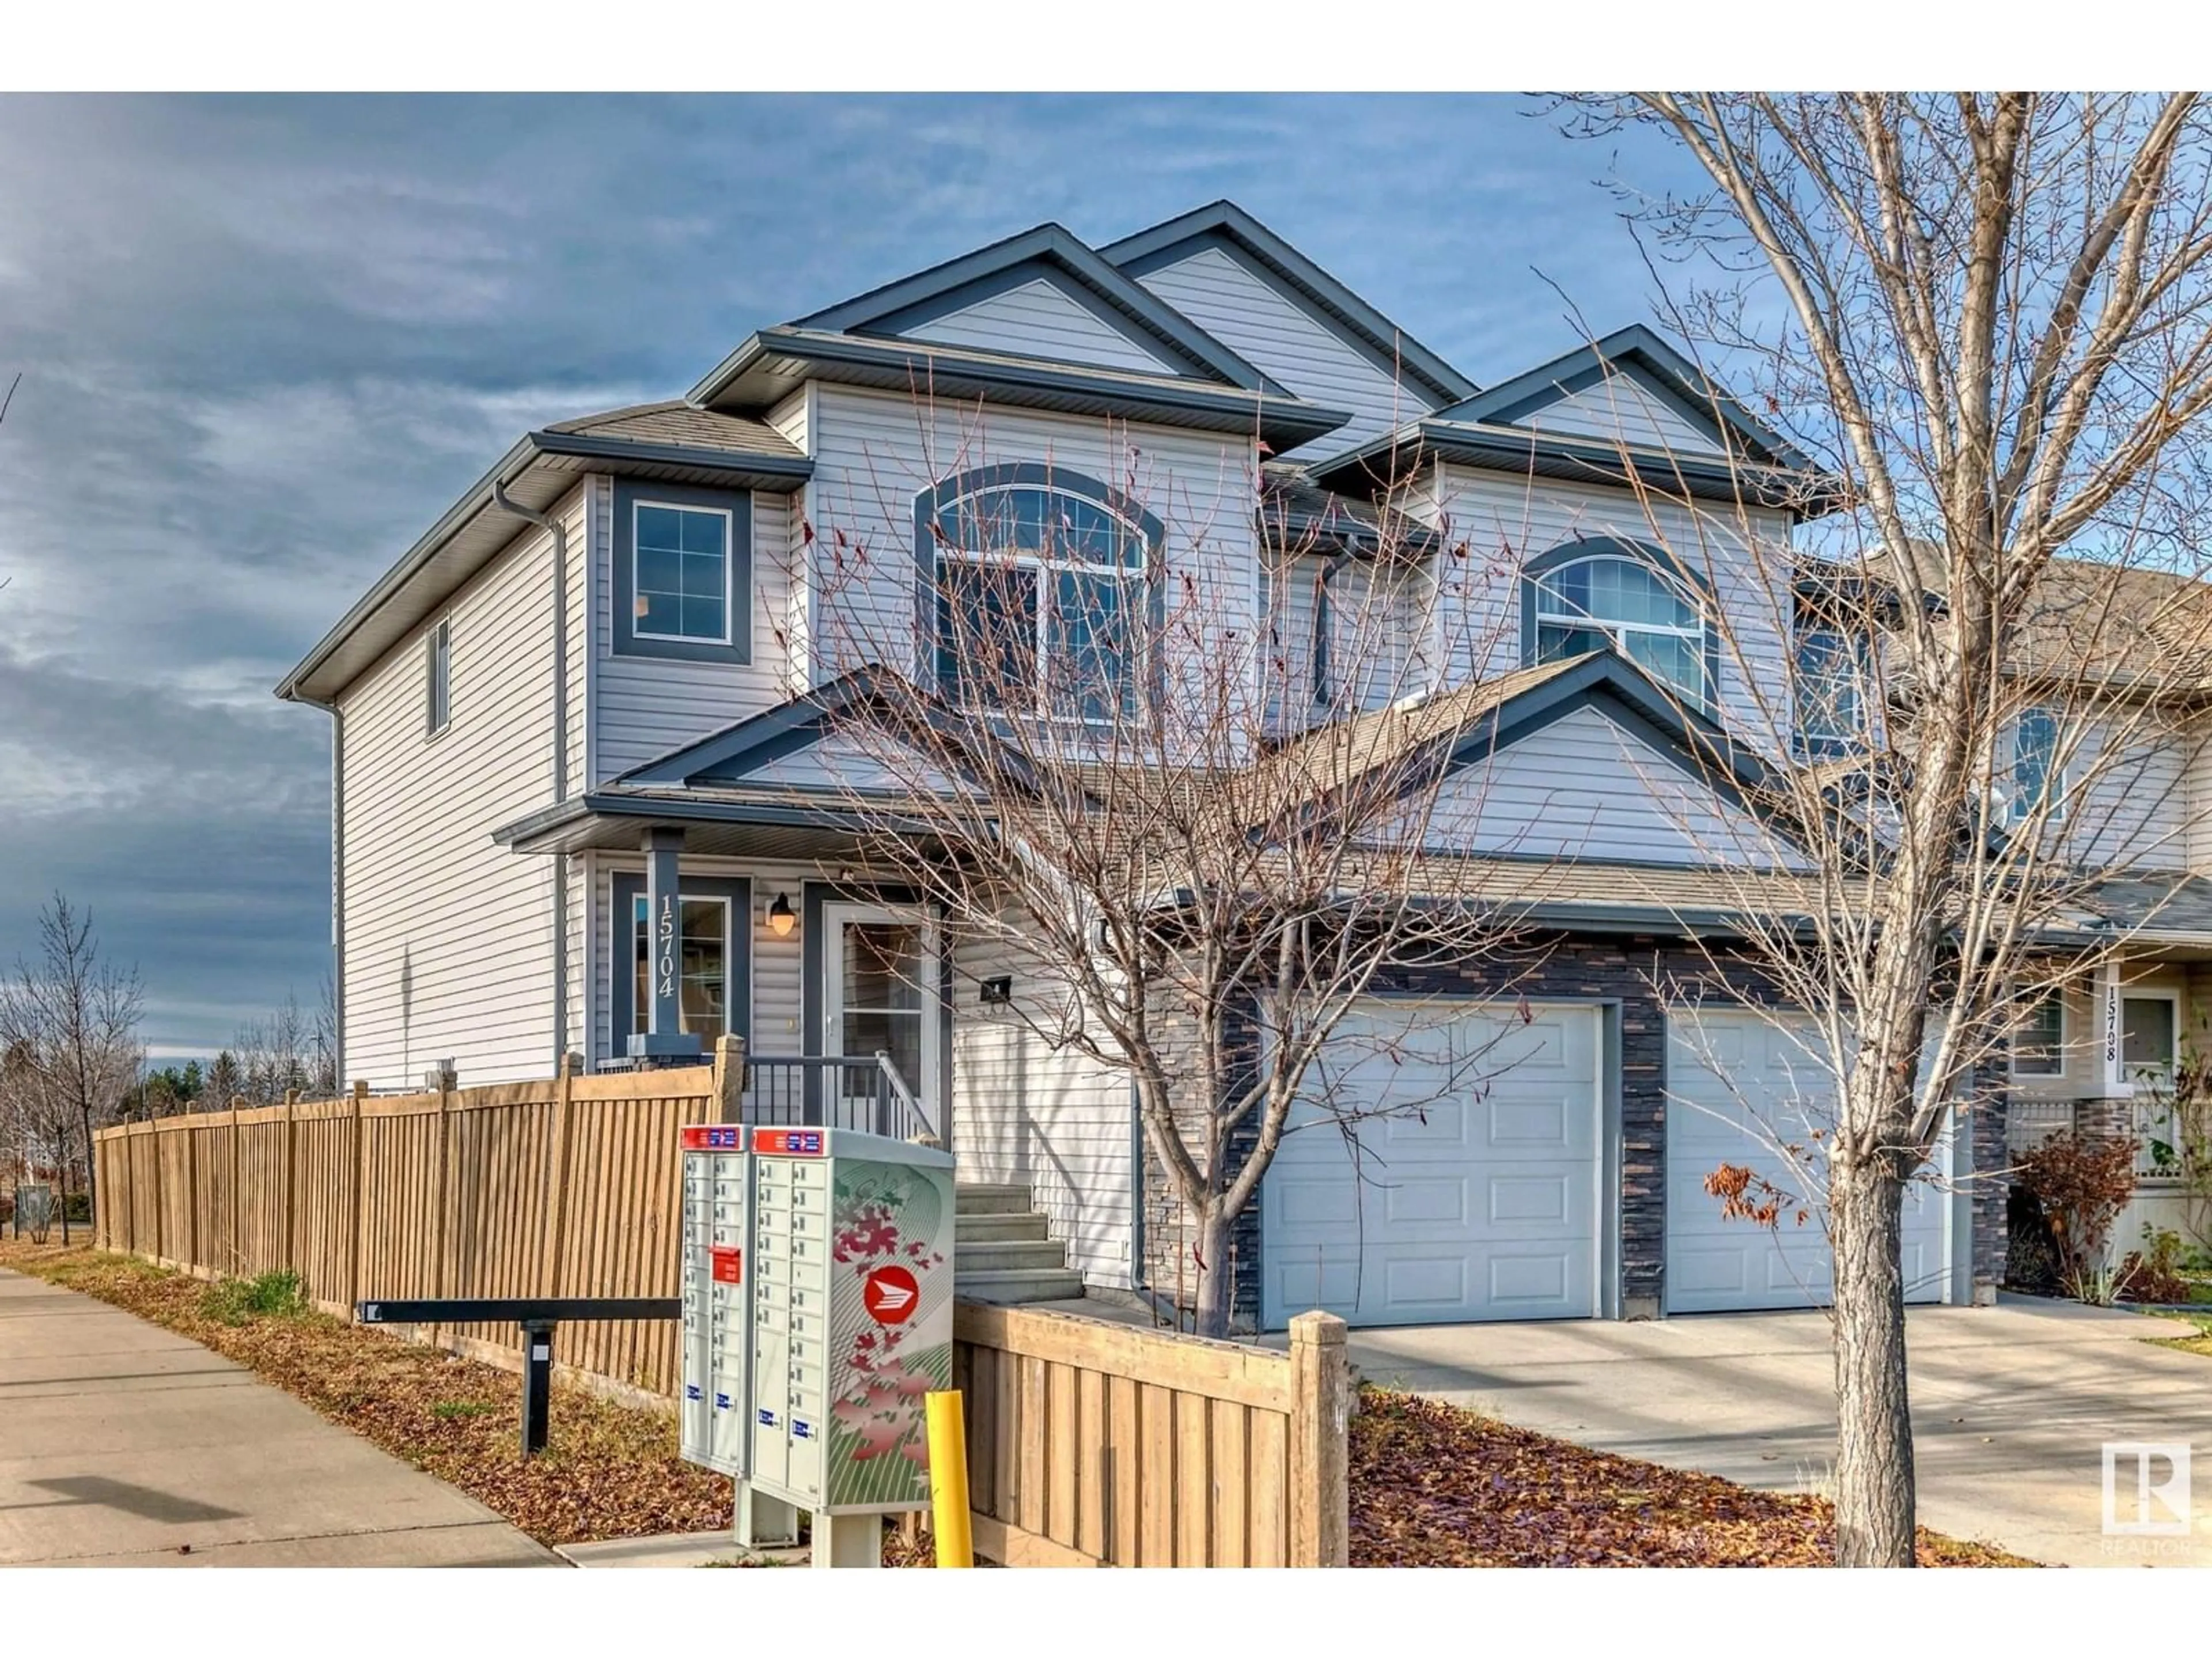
665 962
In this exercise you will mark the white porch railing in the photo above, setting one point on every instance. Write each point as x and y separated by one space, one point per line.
2029 1123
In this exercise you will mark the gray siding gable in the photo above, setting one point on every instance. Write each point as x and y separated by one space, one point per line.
1050 253
1227 227
1670 380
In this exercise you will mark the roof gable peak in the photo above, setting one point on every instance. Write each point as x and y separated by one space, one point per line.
1051 253
1638 354
1224 223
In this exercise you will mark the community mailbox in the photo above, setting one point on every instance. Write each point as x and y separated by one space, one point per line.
818 1312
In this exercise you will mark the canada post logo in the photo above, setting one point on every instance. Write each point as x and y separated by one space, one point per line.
713 1138
2146 1489
788 1142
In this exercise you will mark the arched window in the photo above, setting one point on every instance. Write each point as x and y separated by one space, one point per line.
1036 592
1592 595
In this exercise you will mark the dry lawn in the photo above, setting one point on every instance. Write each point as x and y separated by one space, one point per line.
1433 1486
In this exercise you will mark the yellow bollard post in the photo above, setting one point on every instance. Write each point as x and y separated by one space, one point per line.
948 1478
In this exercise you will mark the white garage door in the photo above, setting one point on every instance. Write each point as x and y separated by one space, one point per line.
1734 1085
1481 1202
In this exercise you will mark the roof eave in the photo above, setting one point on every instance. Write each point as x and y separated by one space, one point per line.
1283 422
741 469
1527 452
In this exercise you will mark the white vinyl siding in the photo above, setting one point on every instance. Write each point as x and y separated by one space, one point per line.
1040 319
1505 520
875 452
646 706
1281 338
449 938
792 630
1620 409
1582 788
1377 631
1050 1120
2130 810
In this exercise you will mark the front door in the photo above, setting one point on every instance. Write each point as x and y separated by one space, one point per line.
880 971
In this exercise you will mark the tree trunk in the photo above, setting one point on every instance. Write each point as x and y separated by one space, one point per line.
1215 1288
61 1180
1875 1520
91 1178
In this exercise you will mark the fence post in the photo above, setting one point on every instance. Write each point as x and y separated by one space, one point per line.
237 1209
442 1235
192 1200
288 1250
161 1235
556 1168
729 1078
1320 1423
353 1218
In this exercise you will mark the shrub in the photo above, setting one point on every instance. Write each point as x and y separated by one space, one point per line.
2083 1182
2154 1273
277 1295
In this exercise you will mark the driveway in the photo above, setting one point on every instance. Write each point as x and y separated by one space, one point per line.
2012 1405
123 1445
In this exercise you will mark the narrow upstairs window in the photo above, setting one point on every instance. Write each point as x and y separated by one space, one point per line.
438 678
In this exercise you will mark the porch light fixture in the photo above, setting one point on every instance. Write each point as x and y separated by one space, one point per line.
781 921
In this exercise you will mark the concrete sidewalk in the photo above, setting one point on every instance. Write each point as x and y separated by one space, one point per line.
123 1445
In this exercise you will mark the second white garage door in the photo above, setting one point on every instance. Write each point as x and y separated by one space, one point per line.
1481 1201
1735 1081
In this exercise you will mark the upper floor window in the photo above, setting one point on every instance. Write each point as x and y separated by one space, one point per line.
1831 672
1039 592
1590 596
683 573
2038 782
438 678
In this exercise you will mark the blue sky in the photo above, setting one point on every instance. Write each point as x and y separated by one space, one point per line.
266 341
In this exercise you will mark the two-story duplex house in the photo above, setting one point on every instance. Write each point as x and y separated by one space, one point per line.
585 793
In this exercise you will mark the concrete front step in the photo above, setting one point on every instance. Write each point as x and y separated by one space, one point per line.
991 1198
993 1229
1042 1284
1008 1255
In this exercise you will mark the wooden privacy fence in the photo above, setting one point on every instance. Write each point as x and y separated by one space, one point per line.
1098 1444
1088 1443
564 1187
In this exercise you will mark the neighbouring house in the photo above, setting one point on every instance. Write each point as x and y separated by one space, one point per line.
590 707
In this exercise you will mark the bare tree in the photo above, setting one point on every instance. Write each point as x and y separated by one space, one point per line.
283 1051
1995 330
73 1017
1191 829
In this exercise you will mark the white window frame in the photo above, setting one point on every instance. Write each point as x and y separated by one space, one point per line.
2057 1056
438 679
1697 638
1850 654
729 518
2018 808
1135 580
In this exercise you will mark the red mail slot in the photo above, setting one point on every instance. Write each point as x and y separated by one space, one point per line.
729 1264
